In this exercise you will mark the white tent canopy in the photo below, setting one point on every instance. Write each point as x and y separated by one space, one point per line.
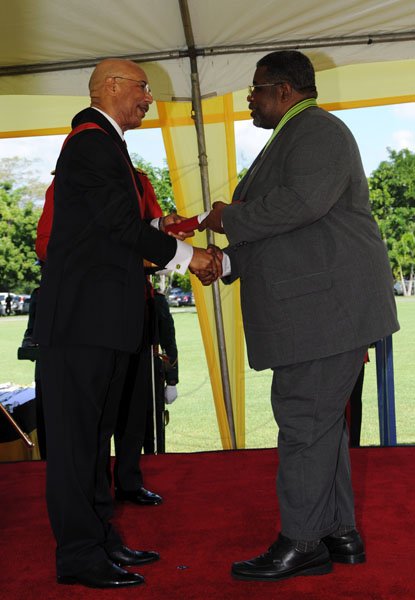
49 47
230 35
363 52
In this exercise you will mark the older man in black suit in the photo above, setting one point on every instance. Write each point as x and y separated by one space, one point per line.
95 255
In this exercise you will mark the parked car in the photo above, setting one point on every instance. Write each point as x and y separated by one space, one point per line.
26 304
3 303
20 304
186 299
398 288
173 296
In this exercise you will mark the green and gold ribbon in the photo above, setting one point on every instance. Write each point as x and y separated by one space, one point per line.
292 112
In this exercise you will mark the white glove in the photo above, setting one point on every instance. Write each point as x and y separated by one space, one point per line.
170 394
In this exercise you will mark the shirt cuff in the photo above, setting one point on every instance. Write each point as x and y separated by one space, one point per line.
226 265
180 261
155 223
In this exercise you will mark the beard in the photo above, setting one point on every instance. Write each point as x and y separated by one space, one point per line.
259 121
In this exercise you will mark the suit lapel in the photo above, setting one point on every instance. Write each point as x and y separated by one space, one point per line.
240 191
99 118
88 115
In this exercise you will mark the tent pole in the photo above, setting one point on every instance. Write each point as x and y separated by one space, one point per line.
197 115
293 44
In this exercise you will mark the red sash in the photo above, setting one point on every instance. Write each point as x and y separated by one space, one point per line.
45 222
85 126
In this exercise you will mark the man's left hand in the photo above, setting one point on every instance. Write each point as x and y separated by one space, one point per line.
214 219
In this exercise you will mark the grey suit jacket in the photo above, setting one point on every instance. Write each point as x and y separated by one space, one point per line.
315 276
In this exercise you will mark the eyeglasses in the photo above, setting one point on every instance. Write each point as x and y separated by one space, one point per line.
143 84
254 87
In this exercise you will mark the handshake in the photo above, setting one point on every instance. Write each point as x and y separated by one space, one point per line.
206 264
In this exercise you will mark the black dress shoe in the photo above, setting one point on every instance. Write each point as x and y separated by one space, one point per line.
282 560
141 496
125 557
347 548
104 574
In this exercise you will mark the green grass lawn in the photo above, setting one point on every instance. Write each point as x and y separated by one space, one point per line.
193 425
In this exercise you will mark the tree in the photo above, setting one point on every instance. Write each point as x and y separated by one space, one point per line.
161 182
18 222
242 173
392 194
402 254
21 175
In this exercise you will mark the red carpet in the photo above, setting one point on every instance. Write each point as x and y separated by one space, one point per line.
219 507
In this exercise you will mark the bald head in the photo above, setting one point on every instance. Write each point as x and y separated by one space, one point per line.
110 67
118 87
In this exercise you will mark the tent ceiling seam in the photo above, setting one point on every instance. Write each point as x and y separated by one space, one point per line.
366 39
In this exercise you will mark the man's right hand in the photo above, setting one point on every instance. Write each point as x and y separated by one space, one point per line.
206 276
205 261
175 218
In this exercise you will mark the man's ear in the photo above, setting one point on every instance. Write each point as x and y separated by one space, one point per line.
286 91
111 86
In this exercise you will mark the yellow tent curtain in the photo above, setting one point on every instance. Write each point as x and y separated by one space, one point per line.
181 149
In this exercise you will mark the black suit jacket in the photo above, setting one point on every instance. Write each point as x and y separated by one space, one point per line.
92 289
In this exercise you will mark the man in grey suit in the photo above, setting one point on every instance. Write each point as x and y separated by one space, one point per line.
316 290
